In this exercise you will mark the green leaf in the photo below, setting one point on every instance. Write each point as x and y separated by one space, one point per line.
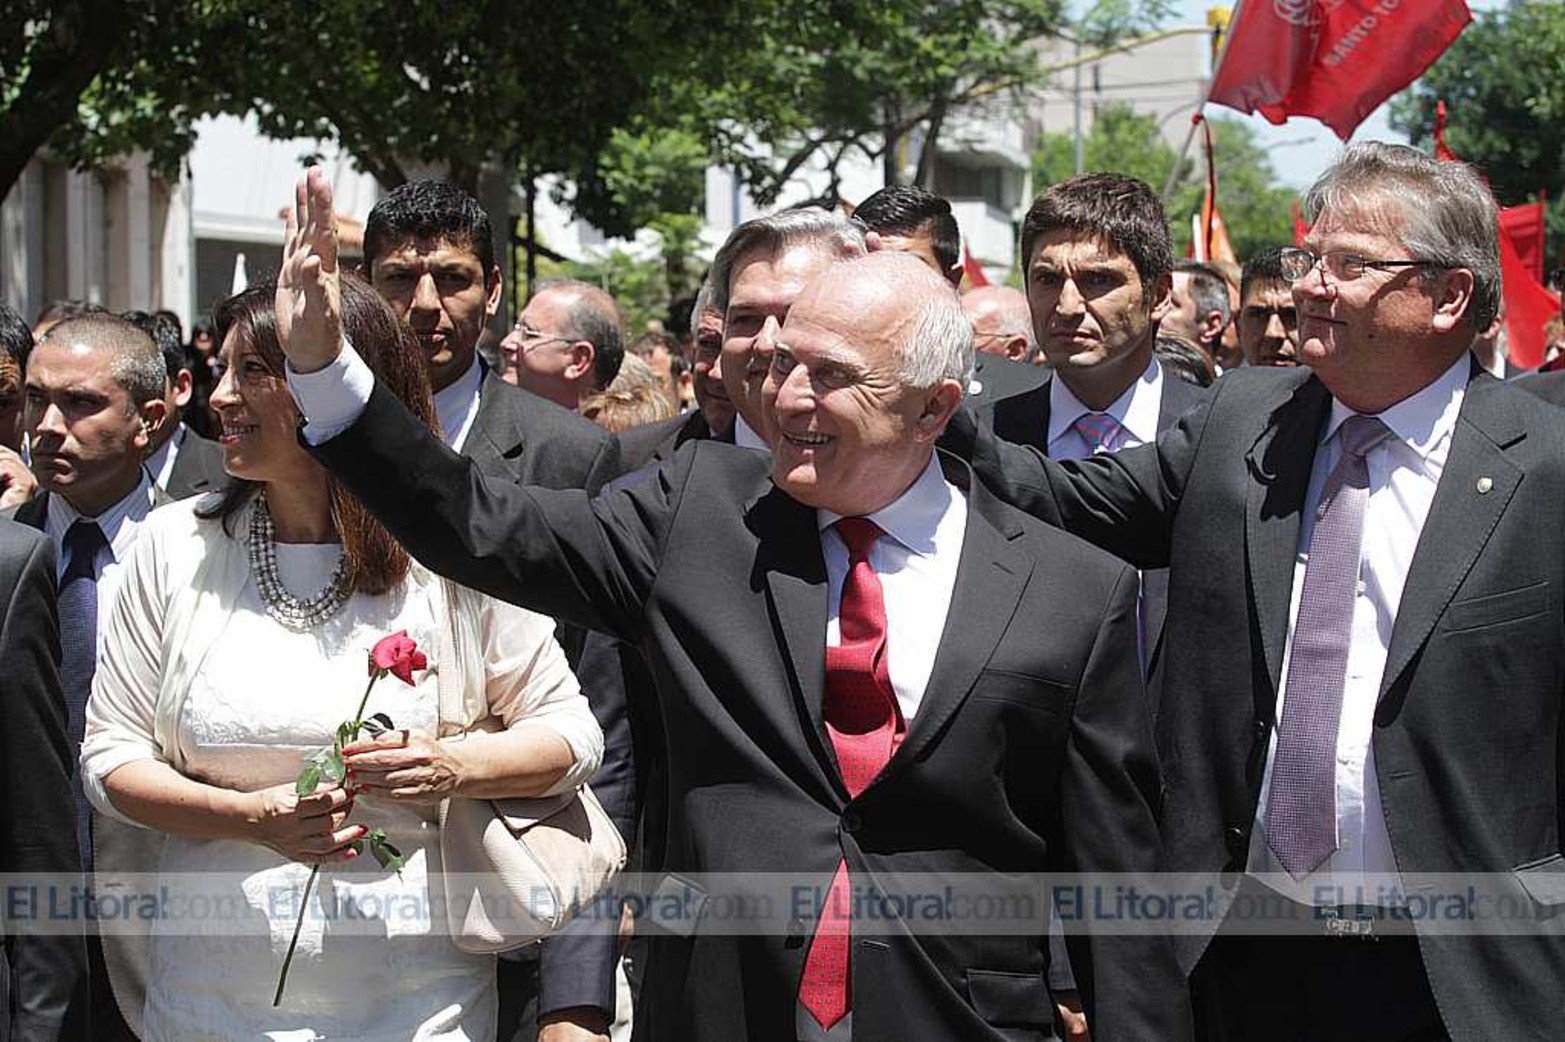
385 851
333 768
357 846
309 778
347 731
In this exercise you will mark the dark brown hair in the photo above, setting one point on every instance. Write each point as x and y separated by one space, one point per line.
376 562
1117 209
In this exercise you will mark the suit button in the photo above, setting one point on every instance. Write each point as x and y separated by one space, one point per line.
851 820
1234 838
1260 729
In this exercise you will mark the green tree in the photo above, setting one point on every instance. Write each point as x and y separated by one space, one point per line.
1502 84
1256 210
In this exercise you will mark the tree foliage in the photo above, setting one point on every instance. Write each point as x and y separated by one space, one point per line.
1256 210
1502 84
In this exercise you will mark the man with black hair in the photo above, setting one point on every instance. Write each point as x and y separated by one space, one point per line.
1198 307
567 344
17 483
429 252
1268 320
181 462
909 219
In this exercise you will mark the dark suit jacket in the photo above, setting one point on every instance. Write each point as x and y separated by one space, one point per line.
1469 731
1024 419
1030 750
997 378
657 442
1548 386
198 468
537 442
37 973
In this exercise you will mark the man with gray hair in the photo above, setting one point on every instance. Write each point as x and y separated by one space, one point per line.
567 343
1382 531
1198 308
844 705
1002 325
93 404
757 273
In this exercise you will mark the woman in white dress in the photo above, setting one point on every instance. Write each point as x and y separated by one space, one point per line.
238 646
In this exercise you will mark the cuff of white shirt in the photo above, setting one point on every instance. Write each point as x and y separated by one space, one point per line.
332 398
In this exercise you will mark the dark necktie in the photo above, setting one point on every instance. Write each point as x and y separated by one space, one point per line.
865 727
79 651
1301 809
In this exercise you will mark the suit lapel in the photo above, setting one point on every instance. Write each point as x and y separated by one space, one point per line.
1474 490
495 440
797 593
990 578
1024 418
1279 474
34 512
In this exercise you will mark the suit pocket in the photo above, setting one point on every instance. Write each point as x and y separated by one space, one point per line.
1022 689
1012 1000
1544 879
1497 608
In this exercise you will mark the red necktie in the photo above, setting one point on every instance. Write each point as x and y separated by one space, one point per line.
865 726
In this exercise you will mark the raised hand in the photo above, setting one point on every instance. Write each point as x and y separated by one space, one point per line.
309 286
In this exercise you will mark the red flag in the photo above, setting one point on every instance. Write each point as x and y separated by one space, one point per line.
1527 306
1524 226
1336 60
1442 150
972 269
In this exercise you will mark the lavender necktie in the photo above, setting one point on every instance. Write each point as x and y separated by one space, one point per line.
1301 810
1102 432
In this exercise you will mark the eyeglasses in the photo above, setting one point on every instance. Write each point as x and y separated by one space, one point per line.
1297 263
535 337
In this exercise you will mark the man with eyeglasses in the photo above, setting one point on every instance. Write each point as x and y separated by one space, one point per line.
567 344
1382 531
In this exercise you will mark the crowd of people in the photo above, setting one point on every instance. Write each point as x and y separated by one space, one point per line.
1149 577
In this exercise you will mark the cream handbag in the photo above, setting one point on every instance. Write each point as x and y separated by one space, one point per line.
514 870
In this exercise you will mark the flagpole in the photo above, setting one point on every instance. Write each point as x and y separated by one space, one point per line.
1195 120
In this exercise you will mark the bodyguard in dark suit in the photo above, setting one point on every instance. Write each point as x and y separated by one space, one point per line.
1383 531
429 251
181 462
790 747
713 416
1548 386
38 972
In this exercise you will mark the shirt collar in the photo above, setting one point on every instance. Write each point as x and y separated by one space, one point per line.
913 518
456 402
118 523
745 436
1136 410
1422 419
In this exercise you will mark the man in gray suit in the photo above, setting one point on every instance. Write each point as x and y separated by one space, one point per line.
1381 531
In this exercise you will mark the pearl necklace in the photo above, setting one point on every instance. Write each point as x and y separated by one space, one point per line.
294 613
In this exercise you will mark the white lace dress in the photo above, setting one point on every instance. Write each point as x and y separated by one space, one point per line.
373 960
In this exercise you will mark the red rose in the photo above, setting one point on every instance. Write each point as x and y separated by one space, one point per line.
398 655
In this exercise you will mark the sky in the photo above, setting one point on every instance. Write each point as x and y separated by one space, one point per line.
1301 148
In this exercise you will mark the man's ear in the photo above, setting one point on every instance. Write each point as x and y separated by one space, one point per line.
152 415
495 290
1452 297
940 404
183 389
1161 294
583 357
1016 349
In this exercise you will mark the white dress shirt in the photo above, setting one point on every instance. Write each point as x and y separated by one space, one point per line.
916 561
1136 411
161 463
917 570
1403 472
118 523
456 405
